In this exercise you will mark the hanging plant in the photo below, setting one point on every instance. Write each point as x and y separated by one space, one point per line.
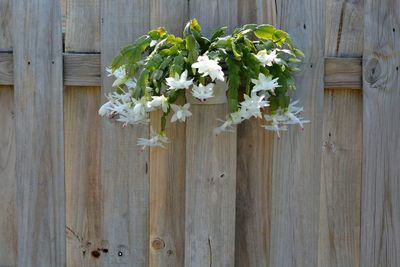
255 63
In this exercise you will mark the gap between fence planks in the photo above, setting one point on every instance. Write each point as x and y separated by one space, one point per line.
85 70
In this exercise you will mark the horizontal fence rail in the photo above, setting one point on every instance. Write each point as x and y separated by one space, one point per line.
85 70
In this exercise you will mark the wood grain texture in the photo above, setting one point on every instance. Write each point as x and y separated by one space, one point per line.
6 69
254 167
344 28
8 222
210 164
340 222
84 204
5 25
339 242
296 179
167 197
343 73
38 93
257 11
82 69
167 166
253 197
82 33
124 174
85 70
82 179
210 189
380 239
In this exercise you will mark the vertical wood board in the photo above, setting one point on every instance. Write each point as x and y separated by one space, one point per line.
167 166
124 168
296 178
38 102
380 239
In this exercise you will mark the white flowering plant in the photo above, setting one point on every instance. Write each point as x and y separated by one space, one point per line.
256 61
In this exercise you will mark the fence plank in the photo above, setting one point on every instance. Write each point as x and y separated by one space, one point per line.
296 179
82 137
254 167
39 132
210 165
339 241
82 33
124 174
380 239
5 25
8 223
167 166
84 70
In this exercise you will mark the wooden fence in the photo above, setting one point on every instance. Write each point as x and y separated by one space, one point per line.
76 191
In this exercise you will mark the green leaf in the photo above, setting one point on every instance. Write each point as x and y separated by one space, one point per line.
194 25
158 33
265 31
190 42
218 32
279 37
233 83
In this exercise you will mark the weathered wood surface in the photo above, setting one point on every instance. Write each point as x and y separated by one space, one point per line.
8 220
296 179
6 69
8 223
339 241
5 25
210 165
124 168
82 69
254 167
344 28
85 70
38 102
82 137
380 238
82 32
167 166
343 73
253 197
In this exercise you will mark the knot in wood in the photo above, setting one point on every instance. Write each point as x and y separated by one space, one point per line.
372 71
158 244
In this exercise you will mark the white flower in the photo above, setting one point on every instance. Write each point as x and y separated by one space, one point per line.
130 83
209 67
179 82
155 140
267 59
227 126
153 43
265 83
251 106
275 124
119 73
293 114
180 112
105 108
202 92
137 114
159 101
